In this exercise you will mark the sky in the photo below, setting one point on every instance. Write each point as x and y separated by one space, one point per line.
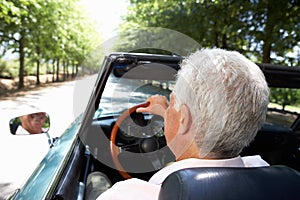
107 13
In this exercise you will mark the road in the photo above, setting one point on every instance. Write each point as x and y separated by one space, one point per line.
21 154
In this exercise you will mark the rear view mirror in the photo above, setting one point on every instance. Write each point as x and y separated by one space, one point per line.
33 123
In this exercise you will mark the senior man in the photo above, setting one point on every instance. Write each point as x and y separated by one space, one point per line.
218 104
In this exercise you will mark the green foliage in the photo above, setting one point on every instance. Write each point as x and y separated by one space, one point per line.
263 30
257 28
285 96
154 40
46 31
9 69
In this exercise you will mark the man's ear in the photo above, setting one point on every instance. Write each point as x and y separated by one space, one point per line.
185 119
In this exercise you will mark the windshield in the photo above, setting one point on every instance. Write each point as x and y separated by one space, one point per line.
132 83
281 117
124 92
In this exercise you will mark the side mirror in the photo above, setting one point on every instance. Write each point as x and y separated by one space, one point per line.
33 123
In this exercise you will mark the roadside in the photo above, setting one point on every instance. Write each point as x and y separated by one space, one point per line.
9 87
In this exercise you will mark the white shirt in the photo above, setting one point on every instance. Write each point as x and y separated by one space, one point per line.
21 131
139 189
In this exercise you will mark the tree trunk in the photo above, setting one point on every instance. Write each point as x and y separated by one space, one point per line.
53 71
38 72
268 36
38 52
64 70
21 59
67 69
216 40
76 69
266 52
57 70
73 70
224 41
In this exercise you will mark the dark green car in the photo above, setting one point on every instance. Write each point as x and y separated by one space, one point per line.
110 137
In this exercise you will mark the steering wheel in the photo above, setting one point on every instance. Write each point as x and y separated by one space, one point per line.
114 149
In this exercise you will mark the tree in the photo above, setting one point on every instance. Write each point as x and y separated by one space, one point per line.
259 28
285 96
263 30
273 27
55 31
14 28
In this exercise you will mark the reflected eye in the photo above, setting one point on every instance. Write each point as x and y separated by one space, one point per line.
37 116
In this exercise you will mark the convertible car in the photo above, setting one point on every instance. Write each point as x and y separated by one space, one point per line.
110 137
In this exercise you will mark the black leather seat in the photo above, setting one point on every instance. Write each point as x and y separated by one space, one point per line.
275 182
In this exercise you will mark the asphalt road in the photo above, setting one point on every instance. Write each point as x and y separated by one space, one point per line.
20 155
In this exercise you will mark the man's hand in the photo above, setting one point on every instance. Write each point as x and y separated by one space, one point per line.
158 105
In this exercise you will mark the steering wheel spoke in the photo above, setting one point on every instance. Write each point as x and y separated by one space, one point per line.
135 147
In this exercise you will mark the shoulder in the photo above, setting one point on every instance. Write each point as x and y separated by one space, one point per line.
21 131
254 161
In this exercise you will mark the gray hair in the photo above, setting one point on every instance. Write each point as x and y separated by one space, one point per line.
227 95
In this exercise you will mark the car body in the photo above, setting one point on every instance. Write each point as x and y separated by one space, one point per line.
124 81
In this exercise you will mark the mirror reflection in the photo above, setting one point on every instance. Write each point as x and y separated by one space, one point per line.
34 123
